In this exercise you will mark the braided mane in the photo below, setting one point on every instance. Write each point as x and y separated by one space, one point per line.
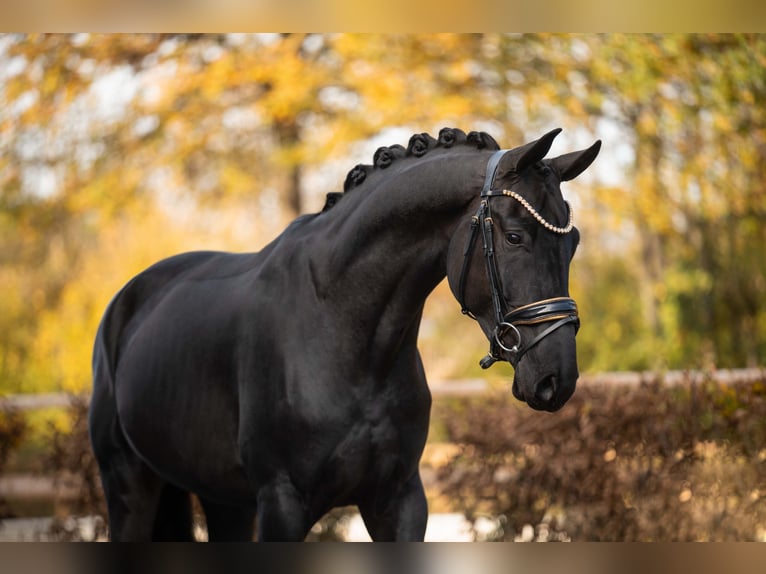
418 146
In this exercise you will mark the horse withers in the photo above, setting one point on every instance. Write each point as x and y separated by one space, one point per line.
277 385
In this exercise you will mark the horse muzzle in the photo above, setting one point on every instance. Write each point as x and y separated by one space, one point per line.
549 393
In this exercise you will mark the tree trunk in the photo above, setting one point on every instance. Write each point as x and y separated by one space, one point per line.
289 137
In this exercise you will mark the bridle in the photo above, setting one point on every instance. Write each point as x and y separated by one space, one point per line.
559 311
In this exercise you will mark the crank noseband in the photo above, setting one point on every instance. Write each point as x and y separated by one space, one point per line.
560 311
507 337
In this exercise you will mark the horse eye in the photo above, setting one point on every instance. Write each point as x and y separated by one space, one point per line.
514 238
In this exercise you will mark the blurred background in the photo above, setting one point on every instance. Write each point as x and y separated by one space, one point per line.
118 150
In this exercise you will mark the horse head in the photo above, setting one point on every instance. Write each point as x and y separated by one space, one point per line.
508 266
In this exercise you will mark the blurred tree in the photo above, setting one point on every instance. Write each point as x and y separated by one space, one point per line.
697 202
116 150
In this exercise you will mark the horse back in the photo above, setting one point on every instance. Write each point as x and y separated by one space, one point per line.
138 295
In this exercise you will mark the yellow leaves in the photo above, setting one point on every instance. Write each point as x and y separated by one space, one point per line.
651 205
688 105
216 77
350 47
609 211
747 96
453 106
574 107
390 92
236 181
646 124
459 72
61 351
291 78
51 81
420 79
722 123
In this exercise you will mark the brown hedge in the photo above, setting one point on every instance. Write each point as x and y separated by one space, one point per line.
648 462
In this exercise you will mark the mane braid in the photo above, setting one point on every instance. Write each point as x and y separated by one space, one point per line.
418 146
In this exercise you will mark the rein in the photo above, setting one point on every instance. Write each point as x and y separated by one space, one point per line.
559 310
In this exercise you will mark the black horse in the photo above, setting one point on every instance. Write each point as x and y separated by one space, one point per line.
280 384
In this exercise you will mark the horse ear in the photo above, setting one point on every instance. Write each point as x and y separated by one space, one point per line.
520 158
570 165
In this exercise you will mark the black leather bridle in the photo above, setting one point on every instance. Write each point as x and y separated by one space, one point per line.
559 311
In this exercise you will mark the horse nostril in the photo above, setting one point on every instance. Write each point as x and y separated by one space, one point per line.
545 389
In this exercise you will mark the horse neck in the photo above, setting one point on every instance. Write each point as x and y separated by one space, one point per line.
388 244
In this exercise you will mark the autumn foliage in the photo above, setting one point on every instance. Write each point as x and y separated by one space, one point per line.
117 150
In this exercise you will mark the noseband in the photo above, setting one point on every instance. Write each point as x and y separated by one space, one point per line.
559 311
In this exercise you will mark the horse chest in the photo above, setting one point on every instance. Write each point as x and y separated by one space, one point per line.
370 457
334 451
